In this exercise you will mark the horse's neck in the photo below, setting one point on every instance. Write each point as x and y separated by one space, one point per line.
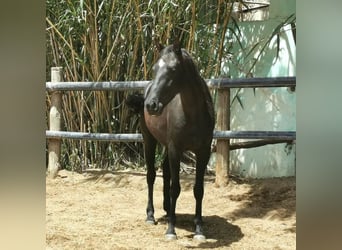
194 99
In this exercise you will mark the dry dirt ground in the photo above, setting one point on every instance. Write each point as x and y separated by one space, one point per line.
107 211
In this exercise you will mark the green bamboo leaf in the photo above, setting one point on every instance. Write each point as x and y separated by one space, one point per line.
238 98
240 101
237 37
278 46
252 49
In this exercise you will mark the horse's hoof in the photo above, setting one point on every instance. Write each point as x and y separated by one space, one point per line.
151 222
170 236
199 237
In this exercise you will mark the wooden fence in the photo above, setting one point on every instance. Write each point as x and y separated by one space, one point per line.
222 134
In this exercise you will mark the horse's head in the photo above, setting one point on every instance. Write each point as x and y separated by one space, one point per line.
168 72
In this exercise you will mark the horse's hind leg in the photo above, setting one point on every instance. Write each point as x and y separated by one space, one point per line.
202 158
150 147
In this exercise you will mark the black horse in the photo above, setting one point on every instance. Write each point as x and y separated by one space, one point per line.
177 111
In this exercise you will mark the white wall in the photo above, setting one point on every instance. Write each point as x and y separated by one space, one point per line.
271 109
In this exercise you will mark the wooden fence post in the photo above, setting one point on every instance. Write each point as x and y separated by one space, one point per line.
55 124
222 146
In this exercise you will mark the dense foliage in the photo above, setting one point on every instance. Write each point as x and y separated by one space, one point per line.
114 40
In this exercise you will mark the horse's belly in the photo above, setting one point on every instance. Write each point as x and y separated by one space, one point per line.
194 139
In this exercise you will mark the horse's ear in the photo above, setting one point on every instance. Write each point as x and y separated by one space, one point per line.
159 46
177 47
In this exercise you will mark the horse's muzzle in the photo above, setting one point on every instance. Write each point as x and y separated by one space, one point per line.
154 107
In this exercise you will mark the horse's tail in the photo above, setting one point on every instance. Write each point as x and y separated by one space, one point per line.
135 103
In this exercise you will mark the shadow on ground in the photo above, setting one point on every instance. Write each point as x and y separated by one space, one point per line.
273 198
218 232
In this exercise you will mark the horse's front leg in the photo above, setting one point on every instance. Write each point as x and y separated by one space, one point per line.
166 185
174 165
150 147
202 158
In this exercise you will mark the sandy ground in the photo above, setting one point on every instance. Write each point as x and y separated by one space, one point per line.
107 211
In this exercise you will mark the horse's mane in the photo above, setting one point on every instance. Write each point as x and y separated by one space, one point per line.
192 68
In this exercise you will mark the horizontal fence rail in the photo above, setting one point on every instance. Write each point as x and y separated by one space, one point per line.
276 135
94 136
223 83
91 86
221 135
261 82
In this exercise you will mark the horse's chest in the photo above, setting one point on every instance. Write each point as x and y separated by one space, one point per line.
188 130
157 126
